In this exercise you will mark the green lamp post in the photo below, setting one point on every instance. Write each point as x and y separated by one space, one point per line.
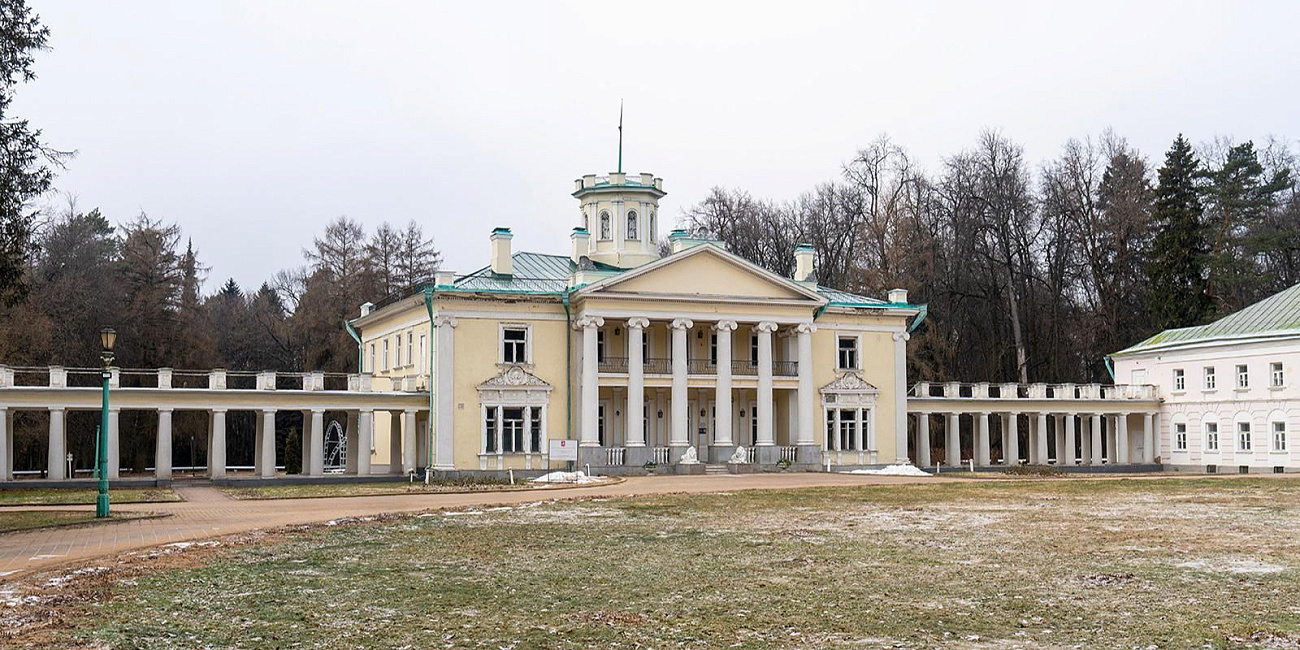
107 337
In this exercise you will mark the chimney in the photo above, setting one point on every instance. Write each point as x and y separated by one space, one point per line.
581 241
366 308
677 240
803 264
898 296
502 263
444 278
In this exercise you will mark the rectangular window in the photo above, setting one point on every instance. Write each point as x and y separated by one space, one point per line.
600 346
1211 436
1243 377
410 348
848 429
514 345
372 357
1243 436
645 346
1180 380
384 360
490 431
848 352
1180 437
713 349
753 349
424 355
1279 436
600 425
512 430
1209 378
536 433
1275 374
830 430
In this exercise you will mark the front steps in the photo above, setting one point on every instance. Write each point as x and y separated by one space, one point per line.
715 470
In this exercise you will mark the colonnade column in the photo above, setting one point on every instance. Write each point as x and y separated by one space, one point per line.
953 449
923 439
722 421
217 445
1094 428
58 446
589 434
265 461
900 396
679 434
982 439
409 441
1069 440
6 447
162 461
365 440
1121 439
1011 454
114 445
444 415
634 434
807 421
1148 439
1040 440
316 461
764 407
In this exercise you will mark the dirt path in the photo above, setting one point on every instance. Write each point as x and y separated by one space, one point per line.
207 512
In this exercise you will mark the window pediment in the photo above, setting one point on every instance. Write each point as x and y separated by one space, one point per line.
515 378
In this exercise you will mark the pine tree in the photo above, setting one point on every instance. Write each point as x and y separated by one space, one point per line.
1179 250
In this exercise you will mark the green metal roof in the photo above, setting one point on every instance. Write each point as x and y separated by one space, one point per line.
1277 315
536 273
845 299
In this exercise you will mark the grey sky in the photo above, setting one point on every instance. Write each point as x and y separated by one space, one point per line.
252 124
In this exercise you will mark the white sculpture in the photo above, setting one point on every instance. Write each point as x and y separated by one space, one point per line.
690 457
740 457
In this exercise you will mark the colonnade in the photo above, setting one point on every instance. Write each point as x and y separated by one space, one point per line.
1060 438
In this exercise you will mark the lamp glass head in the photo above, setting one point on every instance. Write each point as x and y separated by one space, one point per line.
108 337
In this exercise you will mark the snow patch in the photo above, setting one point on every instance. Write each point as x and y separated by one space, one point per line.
892 470
1231 566
580 478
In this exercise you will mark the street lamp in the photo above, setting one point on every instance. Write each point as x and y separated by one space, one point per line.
107 337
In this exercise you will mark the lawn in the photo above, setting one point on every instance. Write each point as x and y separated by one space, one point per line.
1169 563
82 496
369 489
16 520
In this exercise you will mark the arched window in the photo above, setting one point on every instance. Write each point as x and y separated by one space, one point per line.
604 225
1210 428
1277 432
652 225
631 225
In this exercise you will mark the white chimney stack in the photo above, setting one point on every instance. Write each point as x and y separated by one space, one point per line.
803 264
898 296
444 278
502 263
581 240
366 308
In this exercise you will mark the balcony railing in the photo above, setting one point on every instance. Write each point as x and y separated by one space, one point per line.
655 366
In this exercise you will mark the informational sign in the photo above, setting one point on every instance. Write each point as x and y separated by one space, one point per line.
564 450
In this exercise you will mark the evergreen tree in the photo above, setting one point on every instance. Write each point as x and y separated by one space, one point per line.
1179 250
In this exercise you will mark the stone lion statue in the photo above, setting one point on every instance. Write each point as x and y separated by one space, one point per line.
740 457
690 457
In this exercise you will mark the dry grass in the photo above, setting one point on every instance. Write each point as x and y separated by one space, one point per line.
82 496
1172 563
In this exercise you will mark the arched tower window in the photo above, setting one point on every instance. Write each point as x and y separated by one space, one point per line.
631 225
604 225
653 230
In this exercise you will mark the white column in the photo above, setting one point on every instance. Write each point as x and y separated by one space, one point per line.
765 330
634 434
365 438
680 424
837 437
316 462
900 395
722 424
1070 445
857 430
409 441
982 439
1148 438
1012 451
58 465
1040 437
807 419
923 439
1121 439
217 445
1111 440
6 447
395 447
589 432
1095 429
162 460
266 444
953 449
444 413
114 445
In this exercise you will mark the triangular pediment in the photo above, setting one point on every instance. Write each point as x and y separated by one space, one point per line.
849 382
514 377
705 271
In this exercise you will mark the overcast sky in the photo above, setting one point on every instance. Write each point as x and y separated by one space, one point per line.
252 124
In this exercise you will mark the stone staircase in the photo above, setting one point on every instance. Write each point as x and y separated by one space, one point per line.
714 470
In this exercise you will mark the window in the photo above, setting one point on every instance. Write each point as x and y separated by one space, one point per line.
600 425
1279 436
1209 378
1243 377
1243 436
410 348
830 430
514 345
600 346
848 352
1212 436
848 429
645 346
372 357
536 432
652 225
1180 379
604 225
384 361
512 430
1275 374
631 225
753 349
1180 437
490 431
424 355
397 350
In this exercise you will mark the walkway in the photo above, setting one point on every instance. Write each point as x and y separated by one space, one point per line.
207 512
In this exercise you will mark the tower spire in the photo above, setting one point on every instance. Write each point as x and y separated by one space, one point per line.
620 136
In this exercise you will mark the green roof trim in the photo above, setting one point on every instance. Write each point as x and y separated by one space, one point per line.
1277 315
